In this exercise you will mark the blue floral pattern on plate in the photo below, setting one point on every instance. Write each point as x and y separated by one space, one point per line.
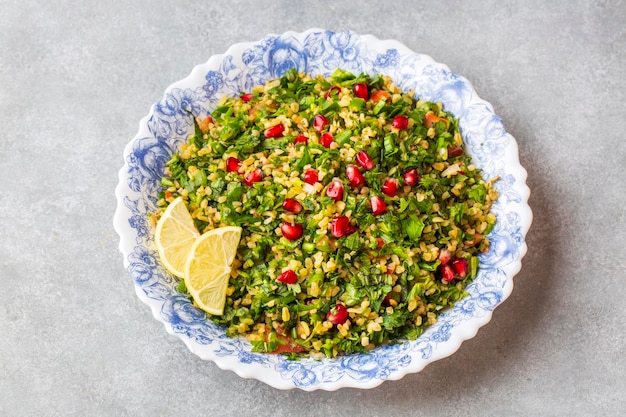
319 52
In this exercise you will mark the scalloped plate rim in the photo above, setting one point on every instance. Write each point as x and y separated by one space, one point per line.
460 333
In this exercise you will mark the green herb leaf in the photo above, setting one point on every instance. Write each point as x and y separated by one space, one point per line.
478 193
353 242
413 227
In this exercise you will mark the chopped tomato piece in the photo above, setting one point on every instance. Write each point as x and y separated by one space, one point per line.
431 119
380 94
203 124
287 345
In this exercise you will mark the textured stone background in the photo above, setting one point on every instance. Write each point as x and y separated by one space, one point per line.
76 77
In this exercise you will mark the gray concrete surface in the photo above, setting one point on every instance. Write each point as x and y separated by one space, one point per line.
76 77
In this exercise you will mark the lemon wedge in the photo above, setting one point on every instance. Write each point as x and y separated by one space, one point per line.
208 267
174 236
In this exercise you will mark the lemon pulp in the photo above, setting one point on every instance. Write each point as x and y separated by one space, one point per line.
174 236
208 267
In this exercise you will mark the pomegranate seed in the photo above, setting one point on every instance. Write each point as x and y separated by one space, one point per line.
444 256
287 277
246 97
411 177
291 231
390 187
292 205
337 314
341 226
232 164
310 176
335 190
353 173
364 160
320 122
254 176
334 88
400 122
460 266
301 139
378 205
361 91
326 139
447 273
275 131
350 229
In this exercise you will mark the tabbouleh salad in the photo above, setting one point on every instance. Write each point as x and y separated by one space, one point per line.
362 214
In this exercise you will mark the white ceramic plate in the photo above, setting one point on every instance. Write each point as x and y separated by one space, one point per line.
317 51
